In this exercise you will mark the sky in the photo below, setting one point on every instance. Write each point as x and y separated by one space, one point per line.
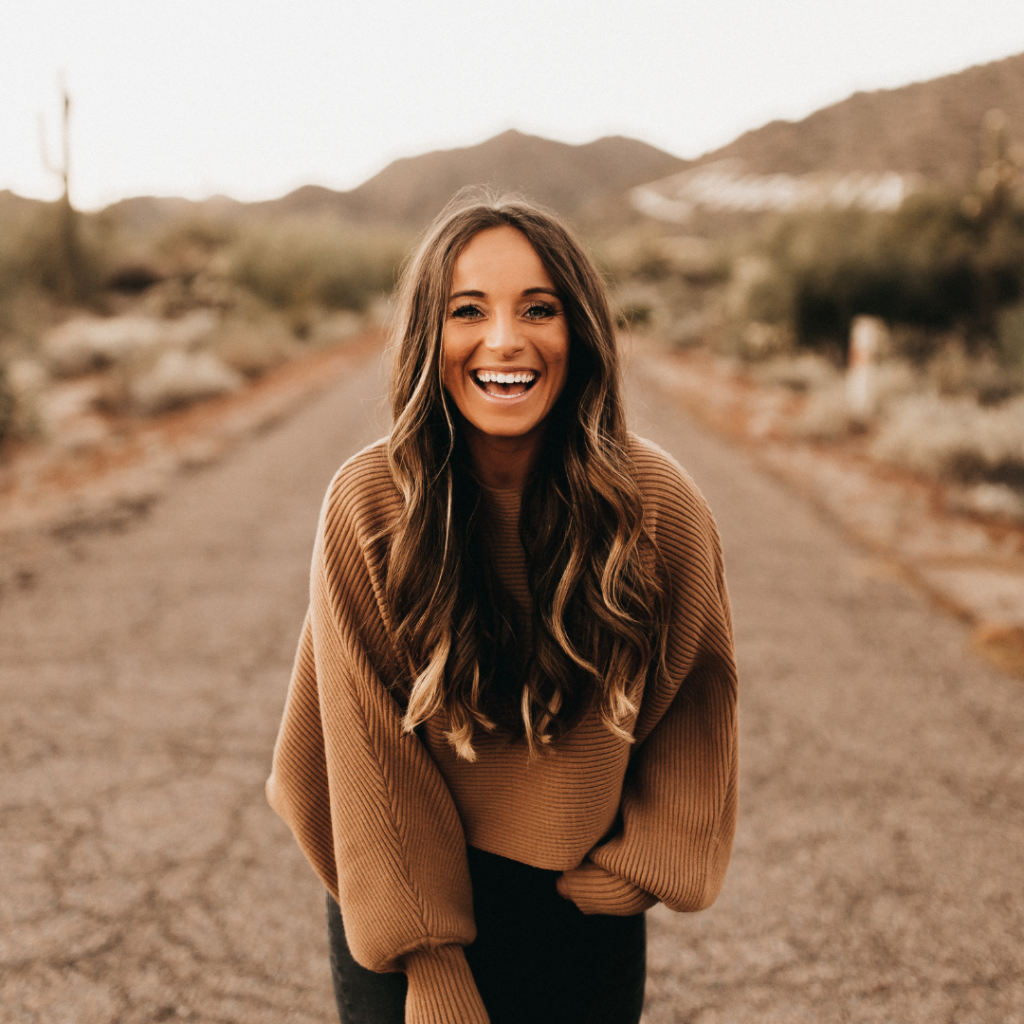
252 98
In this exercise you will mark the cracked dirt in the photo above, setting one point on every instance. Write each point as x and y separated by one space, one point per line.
877 873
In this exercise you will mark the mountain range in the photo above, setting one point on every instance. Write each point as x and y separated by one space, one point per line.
931 129
564 177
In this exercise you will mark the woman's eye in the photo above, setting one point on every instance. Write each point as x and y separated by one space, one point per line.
466 312
540 311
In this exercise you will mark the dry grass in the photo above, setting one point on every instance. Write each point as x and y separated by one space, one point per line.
252 347
991 501
22 382
938 421
84 344
953 438
301 262
173 312
180 378
828 414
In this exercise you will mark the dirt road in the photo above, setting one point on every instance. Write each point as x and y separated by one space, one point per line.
878 869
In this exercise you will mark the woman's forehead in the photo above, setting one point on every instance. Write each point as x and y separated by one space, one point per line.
499 258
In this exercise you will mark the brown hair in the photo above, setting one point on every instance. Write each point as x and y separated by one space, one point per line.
597 615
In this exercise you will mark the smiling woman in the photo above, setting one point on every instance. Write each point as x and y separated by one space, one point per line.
511 726
505 352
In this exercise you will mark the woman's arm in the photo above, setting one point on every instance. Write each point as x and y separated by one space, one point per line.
364 799
678 809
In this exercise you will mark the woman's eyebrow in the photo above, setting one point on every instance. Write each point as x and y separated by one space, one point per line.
474 294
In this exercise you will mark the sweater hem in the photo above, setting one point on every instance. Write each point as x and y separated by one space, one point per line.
441 988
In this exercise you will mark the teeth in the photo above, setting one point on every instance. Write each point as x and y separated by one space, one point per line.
493 377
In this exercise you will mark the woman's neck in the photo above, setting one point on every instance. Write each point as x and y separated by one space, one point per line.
502 463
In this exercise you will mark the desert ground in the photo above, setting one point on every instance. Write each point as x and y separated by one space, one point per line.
143 664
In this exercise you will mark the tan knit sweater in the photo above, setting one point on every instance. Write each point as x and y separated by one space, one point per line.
384 816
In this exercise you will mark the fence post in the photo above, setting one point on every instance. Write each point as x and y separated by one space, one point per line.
866 333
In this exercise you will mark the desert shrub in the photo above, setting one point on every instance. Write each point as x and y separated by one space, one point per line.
929 264
21 383
339 327
689 330
188 246
83 344
301 262
664 285
758 340
635 257
828 413
1010 335
254 346
7 405
955 438
24 242
22 267
181 378
954 370
995 501
647 255
155 381
807 372
34 257
826 416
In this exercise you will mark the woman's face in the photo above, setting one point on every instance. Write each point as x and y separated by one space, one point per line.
505 343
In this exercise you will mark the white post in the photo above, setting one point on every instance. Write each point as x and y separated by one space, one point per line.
866 334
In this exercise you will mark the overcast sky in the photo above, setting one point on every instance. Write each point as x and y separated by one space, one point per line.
255 97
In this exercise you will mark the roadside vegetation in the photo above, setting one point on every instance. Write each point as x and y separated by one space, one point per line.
116 315
943 279
135 322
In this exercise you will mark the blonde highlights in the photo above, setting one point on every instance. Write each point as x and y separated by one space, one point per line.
596 627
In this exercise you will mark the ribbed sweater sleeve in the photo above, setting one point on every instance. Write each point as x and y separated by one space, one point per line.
678 809
399 869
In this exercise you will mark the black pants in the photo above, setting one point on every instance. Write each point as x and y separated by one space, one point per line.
536 959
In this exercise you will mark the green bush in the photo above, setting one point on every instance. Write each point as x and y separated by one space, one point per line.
36 257
303 262
186 247
8 405
929 264
1010 335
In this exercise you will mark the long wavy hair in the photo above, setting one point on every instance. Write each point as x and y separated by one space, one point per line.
595 631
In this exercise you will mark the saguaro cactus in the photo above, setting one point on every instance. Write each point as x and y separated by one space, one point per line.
67 245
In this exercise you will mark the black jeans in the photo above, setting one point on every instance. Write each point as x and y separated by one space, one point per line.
536 959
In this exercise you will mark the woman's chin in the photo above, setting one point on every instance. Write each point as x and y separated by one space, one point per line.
517 416
504 427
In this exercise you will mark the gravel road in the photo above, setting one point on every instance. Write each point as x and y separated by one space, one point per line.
878 868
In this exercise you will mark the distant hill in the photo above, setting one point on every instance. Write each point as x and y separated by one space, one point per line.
13 205
148 213
566 178
408 192
931 128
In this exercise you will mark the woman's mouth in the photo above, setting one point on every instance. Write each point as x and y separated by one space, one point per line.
504 384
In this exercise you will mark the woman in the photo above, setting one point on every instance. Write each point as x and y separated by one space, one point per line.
511 726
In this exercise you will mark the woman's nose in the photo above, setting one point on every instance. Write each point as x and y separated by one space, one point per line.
503 337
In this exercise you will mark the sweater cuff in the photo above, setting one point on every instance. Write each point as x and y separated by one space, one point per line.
597 891
441 988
